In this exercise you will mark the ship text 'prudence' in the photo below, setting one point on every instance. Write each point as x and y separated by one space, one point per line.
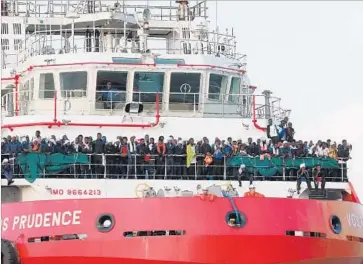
42 220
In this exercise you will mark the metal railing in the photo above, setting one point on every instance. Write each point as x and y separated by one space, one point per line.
33 8
171 167
71 102
112 40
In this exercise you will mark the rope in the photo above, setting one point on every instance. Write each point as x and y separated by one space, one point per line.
234 207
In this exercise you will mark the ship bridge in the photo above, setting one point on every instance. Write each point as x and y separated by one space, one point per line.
126 63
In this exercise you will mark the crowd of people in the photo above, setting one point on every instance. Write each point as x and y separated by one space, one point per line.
173 158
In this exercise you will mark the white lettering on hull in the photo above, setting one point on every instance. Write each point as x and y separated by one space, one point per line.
355 220
42 220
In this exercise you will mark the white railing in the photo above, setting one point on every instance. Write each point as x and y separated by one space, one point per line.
33 8
70 102
174 167
111 40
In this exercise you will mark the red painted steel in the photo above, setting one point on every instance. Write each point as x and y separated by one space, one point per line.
354 195
254 120
75 124
55 107
208 239
16 80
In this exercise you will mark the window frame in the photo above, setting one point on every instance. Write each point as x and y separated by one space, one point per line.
99 91
230 88
201 82
63 92
163 88
223 90
46 90
18 28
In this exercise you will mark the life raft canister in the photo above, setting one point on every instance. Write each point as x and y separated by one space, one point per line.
9 254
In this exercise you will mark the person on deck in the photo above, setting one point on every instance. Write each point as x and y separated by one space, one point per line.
252 192
272 132
7 171
109 97
319 176
302 173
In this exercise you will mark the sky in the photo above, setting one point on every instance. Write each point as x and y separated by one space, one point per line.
309 53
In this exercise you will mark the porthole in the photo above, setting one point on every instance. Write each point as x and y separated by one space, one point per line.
234 219
105 223
335 224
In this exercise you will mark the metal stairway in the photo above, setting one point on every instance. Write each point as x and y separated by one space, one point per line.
318 194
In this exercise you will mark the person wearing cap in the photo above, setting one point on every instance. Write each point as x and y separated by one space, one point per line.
7 171
241 174
302 173
252 192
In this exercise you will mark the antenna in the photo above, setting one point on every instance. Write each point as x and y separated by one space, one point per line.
216 15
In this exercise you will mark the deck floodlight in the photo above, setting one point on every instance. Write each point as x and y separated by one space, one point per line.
134 108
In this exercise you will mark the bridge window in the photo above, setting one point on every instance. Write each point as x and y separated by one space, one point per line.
17 44
116 81
4 44
234 90
17 28
217 86
46 86
4 28
73 84
184 90
146 85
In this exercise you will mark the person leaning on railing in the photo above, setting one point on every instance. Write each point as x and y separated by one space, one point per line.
222 152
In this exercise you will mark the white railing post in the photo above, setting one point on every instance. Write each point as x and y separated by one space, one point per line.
225 168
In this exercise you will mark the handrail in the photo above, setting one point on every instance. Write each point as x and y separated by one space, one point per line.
55 43
227 105
164 168
75 124
254 120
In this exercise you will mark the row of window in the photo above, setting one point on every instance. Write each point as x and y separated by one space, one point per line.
16 28
5 45
183 86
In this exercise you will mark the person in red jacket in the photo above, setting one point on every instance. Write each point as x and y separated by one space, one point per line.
252 192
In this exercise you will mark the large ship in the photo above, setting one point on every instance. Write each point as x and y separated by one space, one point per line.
81 80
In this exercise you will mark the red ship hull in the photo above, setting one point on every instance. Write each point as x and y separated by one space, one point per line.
207 238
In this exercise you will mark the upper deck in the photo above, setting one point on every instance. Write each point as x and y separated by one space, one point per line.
68 53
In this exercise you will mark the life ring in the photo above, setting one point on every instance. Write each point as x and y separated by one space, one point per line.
9 253
140 188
